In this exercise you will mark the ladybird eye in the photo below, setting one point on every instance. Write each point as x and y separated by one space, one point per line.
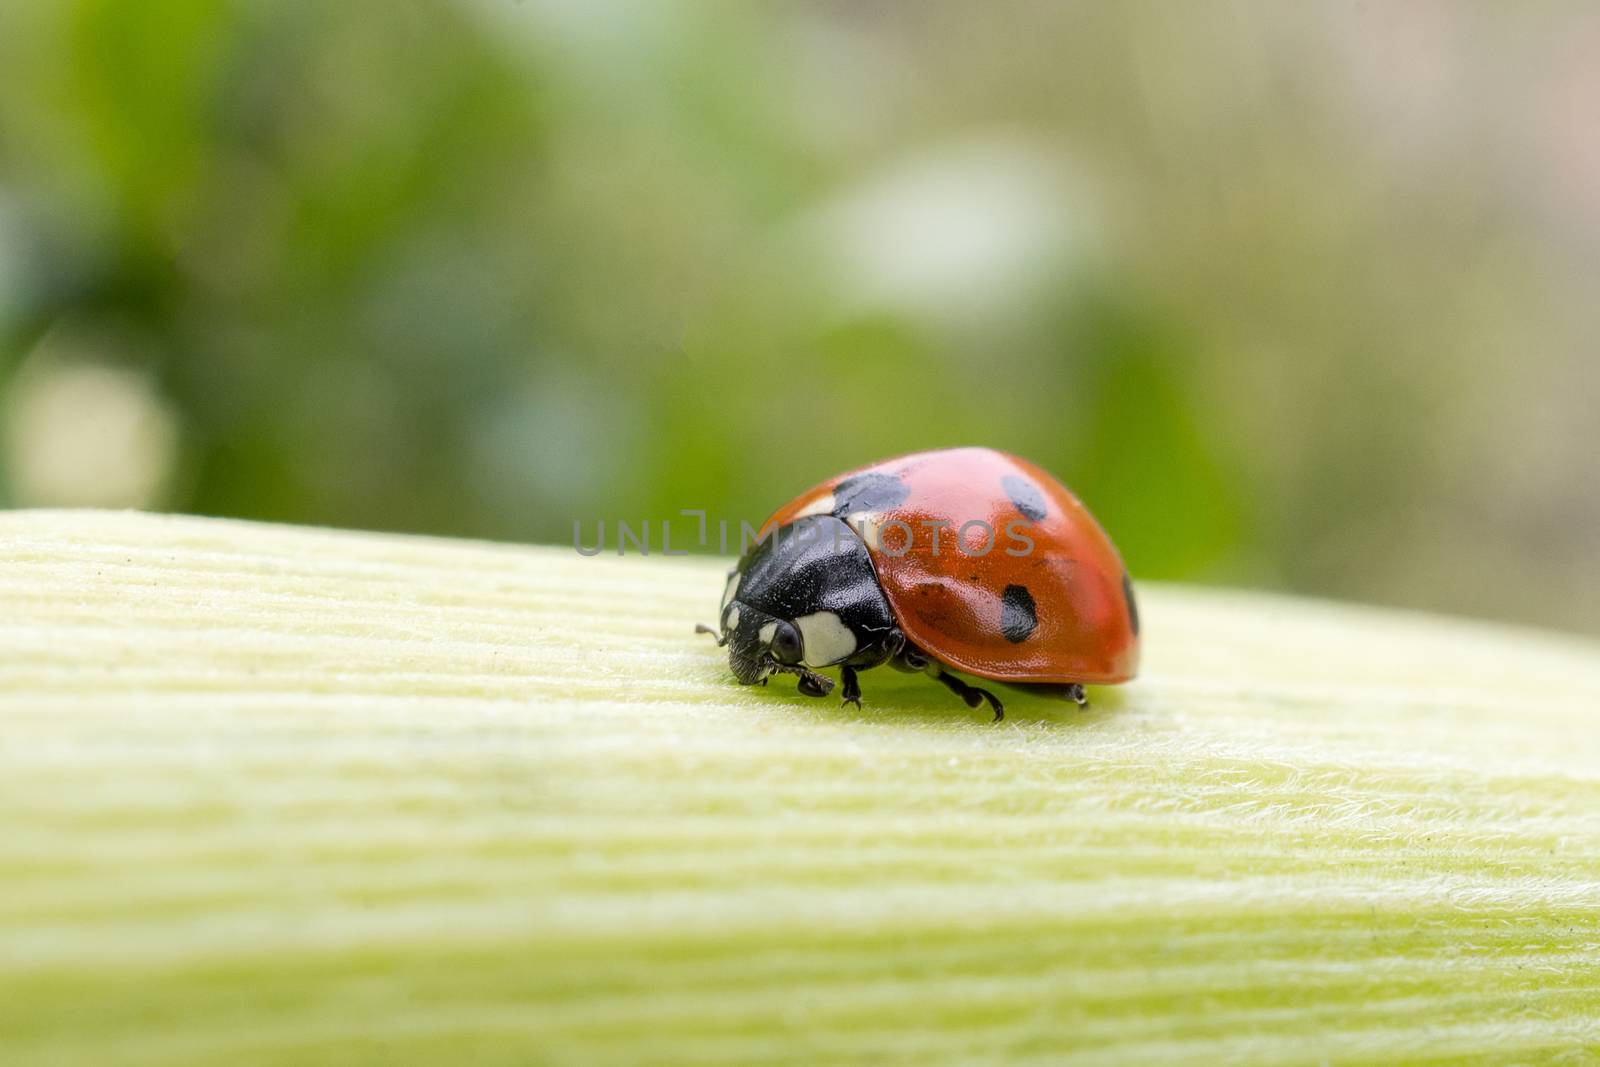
785 646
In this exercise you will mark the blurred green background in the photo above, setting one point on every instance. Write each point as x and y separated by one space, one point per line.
1294 296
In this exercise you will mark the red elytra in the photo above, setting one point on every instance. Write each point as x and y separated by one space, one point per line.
961 606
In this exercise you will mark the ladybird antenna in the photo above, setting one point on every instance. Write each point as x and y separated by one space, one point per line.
702 628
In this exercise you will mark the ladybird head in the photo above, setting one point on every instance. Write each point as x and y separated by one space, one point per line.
805 597
761 644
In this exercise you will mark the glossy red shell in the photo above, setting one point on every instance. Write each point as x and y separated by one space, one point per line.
962 607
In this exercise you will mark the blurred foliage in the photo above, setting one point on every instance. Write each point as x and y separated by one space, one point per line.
1297 298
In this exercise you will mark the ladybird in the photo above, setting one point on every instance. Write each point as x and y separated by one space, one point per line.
959 560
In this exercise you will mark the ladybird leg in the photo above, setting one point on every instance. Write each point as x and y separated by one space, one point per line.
971 694
1072 691
702 628
910 660
811 683
809 686
852 687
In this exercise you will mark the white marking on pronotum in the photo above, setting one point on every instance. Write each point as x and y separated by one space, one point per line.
764 635
866 526
827 639
823 505
731 588
731 618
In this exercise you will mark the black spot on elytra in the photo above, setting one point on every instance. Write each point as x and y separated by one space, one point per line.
1026 496
1133 607
1017 617
872 491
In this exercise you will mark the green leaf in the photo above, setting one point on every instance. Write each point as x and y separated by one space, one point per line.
276 795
